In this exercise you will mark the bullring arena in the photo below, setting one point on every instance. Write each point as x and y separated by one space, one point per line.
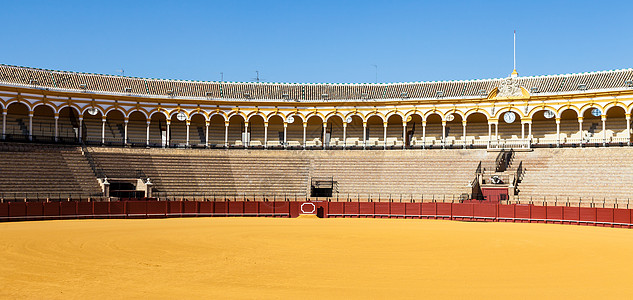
136 187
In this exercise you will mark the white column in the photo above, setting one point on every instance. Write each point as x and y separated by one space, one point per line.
404 135
103 122
30 126
168 137
384 136
305 125
81 128
443 134
489 131
4 123
226 134
580 132
206 135
530 131
247 141
147 134
522 131
423 134
628 129
344 134
125 132
56 127
324 133
464 133
557 132
265 134
496 131
285 135
364 135
187 123
604 130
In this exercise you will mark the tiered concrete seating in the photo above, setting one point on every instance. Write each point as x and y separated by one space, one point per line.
47 170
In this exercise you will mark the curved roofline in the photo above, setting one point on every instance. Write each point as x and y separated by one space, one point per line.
319 83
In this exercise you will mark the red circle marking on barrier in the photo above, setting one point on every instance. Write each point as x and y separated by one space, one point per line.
303 211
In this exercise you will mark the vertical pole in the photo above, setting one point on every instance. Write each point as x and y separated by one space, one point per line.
168 137
522 131
125 121
247 140
384 138
30 126
344 134
206 135
285 135
443 134
580 133
265 135
557 132
604 129
56 127
489 132
464 133
81 128
496 131
364 135
187 123
530 131
404 135
103 122
324 135
423 134
305 125
226 134
4 123
628 129
147 133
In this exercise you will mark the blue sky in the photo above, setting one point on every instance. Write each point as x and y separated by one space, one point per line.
318 41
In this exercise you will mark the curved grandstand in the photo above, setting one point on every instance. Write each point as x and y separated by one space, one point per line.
508 132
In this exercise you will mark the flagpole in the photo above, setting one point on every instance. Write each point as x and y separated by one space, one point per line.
515 50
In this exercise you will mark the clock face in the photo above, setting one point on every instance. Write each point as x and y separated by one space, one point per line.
291 119
92 111
450 117
596 112
509 117
548 114
181 116
348 120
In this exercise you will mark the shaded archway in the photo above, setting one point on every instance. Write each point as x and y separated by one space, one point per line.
17 122
236 130
114 128
414 131
198 131
257 131
137 129
570 132
509 131
615 126
43 124
158 130
454 131
395 131
477 130
178 130
314 132
354 132
294 135
375 132
68 124
592 126
544 128
217 129
335 132
433 131
275 131
92 127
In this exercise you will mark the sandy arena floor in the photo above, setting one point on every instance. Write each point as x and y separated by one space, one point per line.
220 258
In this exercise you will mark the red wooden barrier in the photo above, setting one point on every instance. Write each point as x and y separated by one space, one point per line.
462 211
156 208
281 208
51 209
236 208
485 211
506 213
335 209
604 215
621 217
382 209
587 214
68 208
251 208
189 208
571 214
266 208
89 209
413 210
444 209
34 209
429 209
538 214
555 213
174 208
136 208
4 210
295 208
366 209
522 212
398 209
116 208
352 208
221 208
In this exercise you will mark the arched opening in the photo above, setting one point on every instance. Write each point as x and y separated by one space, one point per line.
395 131
17 122
454 130
414 131
314 132
198 131
92 127
158 130
217 127
137 129
256 129
237 138
375 132
616 132
354 132
544 128
275 131
114 128
570 133
335 132
294 137
433 130
509 126
43 124
477 130
68 125
592 126
178 130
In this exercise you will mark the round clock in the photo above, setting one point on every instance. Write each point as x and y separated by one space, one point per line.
509 117
181 116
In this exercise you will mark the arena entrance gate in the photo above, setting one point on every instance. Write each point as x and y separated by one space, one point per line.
322 187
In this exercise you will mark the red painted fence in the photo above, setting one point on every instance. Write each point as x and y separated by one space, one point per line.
612 217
